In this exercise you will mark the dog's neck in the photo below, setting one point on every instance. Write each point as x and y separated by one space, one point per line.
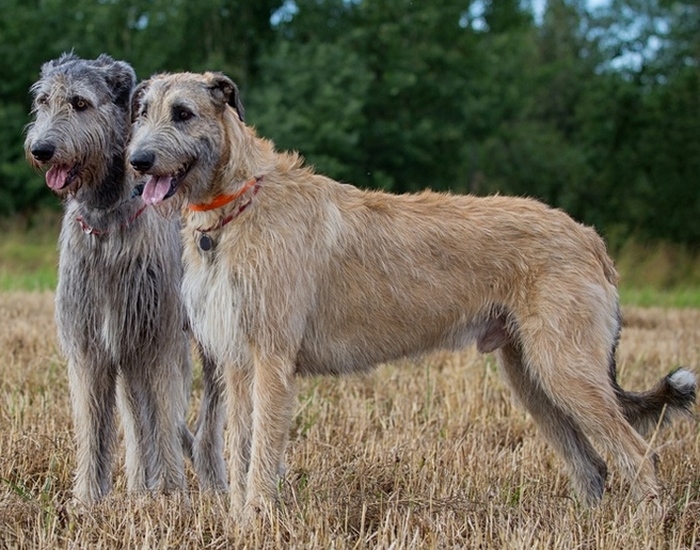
244 156
236 202
107 203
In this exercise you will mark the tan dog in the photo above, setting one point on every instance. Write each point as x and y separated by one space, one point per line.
289 272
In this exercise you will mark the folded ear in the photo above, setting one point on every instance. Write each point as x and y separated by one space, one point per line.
136 99
121 79
225 91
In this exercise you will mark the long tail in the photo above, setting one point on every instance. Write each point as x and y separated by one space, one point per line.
674 393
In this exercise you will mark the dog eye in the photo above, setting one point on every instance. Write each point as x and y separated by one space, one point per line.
181 113
41 99
79 104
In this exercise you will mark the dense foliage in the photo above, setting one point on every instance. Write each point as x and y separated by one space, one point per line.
593 110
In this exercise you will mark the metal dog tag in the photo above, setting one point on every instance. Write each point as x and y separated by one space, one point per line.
205 243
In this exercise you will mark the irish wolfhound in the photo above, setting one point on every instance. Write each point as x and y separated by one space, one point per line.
119 314
288 272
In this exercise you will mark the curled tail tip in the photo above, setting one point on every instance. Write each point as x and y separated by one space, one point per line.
674 394
683 380
684 385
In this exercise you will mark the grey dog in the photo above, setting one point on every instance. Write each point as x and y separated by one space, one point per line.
120 319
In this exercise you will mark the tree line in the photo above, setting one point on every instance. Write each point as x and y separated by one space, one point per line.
594 110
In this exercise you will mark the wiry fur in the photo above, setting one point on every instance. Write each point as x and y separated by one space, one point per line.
318 277
120 318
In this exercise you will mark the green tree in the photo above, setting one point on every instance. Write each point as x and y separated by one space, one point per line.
651 167
311 97
595 111
397 69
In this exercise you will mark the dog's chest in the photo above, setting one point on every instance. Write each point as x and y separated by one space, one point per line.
115 294
214 297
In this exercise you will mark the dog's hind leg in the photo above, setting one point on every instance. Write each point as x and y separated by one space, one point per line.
167 409
570 360
152 402
93 397
187 441
208 447
585 465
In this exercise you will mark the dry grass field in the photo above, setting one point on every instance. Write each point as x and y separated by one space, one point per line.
424 454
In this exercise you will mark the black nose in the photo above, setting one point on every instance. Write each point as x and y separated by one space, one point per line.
43 151
142 160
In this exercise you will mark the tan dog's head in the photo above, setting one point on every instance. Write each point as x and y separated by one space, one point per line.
179 133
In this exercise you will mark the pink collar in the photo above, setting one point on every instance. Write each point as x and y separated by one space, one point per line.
89 230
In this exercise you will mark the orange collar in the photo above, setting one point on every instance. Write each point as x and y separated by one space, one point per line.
222 200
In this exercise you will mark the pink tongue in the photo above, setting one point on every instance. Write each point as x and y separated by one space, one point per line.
156 188
56 176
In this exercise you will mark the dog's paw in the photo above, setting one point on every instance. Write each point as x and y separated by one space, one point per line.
650 508
259 510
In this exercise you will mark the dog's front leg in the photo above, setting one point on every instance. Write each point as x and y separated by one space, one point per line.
239 381
273 404
139 438
93 392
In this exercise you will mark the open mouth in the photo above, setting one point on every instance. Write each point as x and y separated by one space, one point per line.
159 188
61 176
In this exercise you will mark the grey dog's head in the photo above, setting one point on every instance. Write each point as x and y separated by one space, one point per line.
80 119
179 133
